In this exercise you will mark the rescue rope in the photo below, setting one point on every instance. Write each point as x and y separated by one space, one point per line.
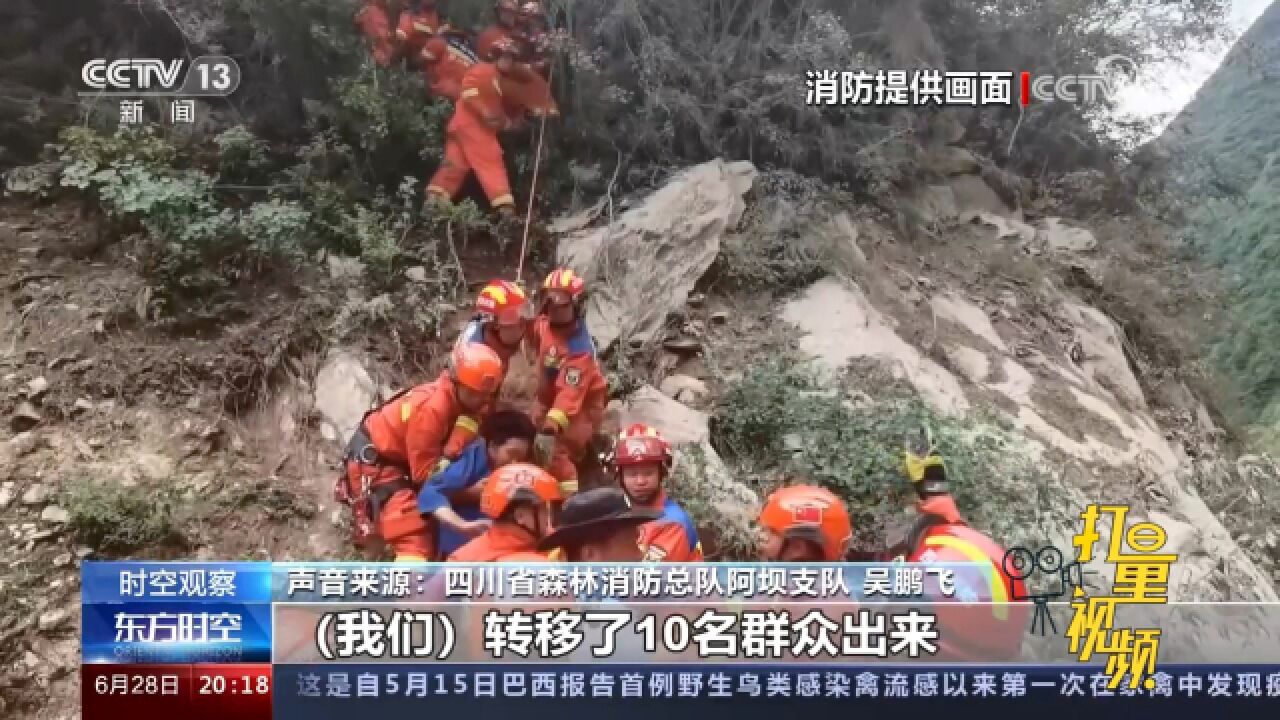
533 184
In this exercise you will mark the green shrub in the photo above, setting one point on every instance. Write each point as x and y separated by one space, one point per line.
775 246
782 419
117 520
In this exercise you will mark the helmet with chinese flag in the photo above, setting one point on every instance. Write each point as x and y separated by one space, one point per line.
806 512
477 367
640 444
517 483
563 286
502 302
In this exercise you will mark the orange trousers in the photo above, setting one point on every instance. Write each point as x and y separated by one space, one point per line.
399 524
469 147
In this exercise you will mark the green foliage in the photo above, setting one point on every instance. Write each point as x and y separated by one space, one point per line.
723 538
117 520
775 246
783 419
1231 184
241 154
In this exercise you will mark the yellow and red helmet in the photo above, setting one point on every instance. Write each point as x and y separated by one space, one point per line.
502 302
566 283
807 512
517 482
640 444
477 367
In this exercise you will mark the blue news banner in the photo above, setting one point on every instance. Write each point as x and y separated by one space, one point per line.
310 641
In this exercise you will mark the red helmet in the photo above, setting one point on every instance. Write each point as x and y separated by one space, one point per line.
641 444
806 512
517 482
502 302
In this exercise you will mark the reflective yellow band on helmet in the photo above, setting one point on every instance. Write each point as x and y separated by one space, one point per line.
467 423
973 554
559 417
568 487
424 28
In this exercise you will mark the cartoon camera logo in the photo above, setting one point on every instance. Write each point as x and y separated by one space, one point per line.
1044 568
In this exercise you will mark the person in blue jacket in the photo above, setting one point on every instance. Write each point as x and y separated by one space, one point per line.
452 496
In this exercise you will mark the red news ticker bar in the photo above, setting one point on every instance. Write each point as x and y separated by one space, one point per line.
187 692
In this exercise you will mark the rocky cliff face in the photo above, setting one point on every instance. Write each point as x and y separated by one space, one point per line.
964 338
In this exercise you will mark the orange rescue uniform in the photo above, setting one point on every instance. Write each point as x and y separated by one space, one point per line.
471 140
500 543
374 22
970 633
444 66
524 90
572 393
672 537
407 436
415 28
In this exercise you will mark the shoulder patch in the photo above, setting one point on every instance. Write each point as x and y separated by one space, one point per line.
573 377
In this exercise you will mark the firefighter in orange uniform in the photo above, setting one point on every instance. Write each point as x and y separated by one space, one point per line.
499 323
418 23
523 89
374 21
398 445
572 390
518 499
940 535
471 138
506 14
642 460
445 62
535 37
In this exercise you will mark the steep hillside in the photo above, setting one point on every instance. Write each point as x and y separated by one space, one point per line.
193 319
1230 138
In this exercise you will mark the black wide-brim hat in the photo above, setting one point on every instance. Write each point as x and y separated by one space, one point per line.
591 513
